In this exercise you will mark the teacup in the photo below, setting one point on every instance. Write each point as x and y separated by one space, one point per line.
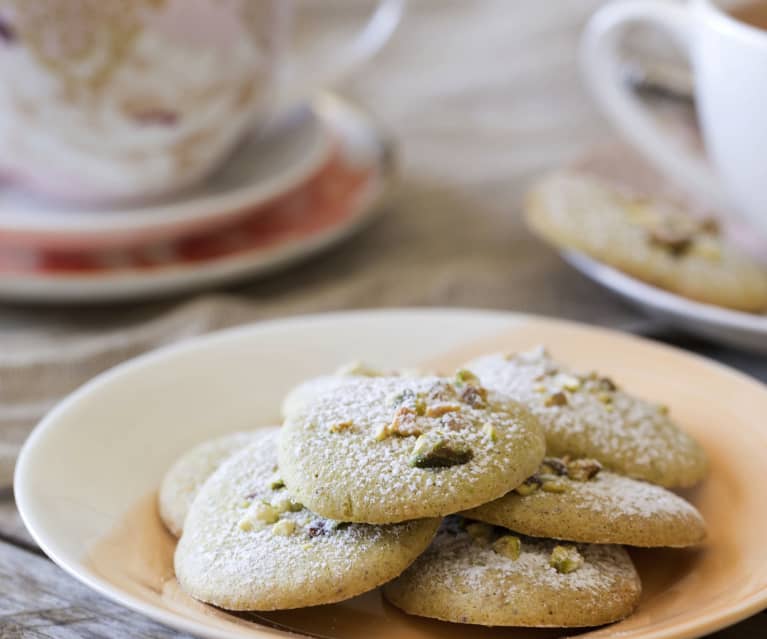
107 100
729 61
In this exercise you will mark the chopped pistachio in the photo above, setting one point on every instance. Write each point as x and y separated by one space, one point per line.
539 388
529 486
554 485
557 399
339 427
480 532
437 410
553 466
489 430
463 376
565 559
245 503
509 546
663 409
606 384
276 484
265 513
357 369
248 523
474 396
284 528
404 396
433 451
605 398
403 425
284 504
455 421
571 383
583 469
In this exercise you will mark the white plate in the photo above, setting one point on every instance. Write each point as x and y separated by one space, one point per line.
264 166
359 139
734 328
105 449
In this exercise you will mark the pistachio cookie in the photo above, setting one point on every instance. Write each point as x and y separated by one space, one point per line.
589 416
578 501
248 545
480 574
187 475
648 239
308 389
384 450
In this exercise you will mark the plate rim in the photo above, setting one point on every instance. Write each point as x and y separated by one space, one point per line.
644 293
696 627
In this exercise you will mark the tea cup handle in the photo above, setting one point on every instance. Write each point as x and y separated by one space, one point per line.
305 78
601 64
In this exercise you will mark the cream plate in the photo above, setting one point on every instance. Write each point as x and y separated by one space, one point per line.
723 325
86 478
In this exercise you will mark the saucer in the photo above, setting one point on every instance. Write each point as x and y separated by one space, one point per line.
321 211
723 325
264 166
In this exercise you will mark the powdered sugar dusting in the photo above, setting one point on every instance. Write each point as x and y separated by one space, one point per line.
362 479
456 562
627 434
220 562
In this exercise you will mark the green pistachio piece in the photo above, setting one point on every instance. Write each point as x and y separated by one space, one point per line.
553 466
462 376
276 484
565 559
557 399
529 486
554 485
433 451
284 528
265 513
509 546
583 469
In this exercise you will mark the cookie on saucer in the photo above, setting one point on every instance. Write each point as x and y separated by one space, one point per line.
479 574
248 545
649 239
576 500
589 416
388 449
187 475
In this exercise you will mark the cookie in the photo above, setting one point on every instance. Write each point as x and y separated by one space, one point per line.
248 545
589 416
649 239
478 574
181 483
577 501
383 450
308 389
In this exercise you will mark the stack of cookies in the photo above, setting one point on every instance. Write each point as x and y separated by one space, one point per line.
502 495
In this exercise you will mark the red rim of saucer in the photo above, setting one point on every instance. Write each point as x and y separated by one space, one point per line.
326 200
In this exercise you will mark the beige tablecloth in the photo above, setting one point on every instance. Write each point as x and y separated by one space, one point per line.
481 96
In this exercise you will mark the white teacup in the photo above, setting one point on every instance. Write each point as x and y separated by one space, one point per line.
729 62
115 99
